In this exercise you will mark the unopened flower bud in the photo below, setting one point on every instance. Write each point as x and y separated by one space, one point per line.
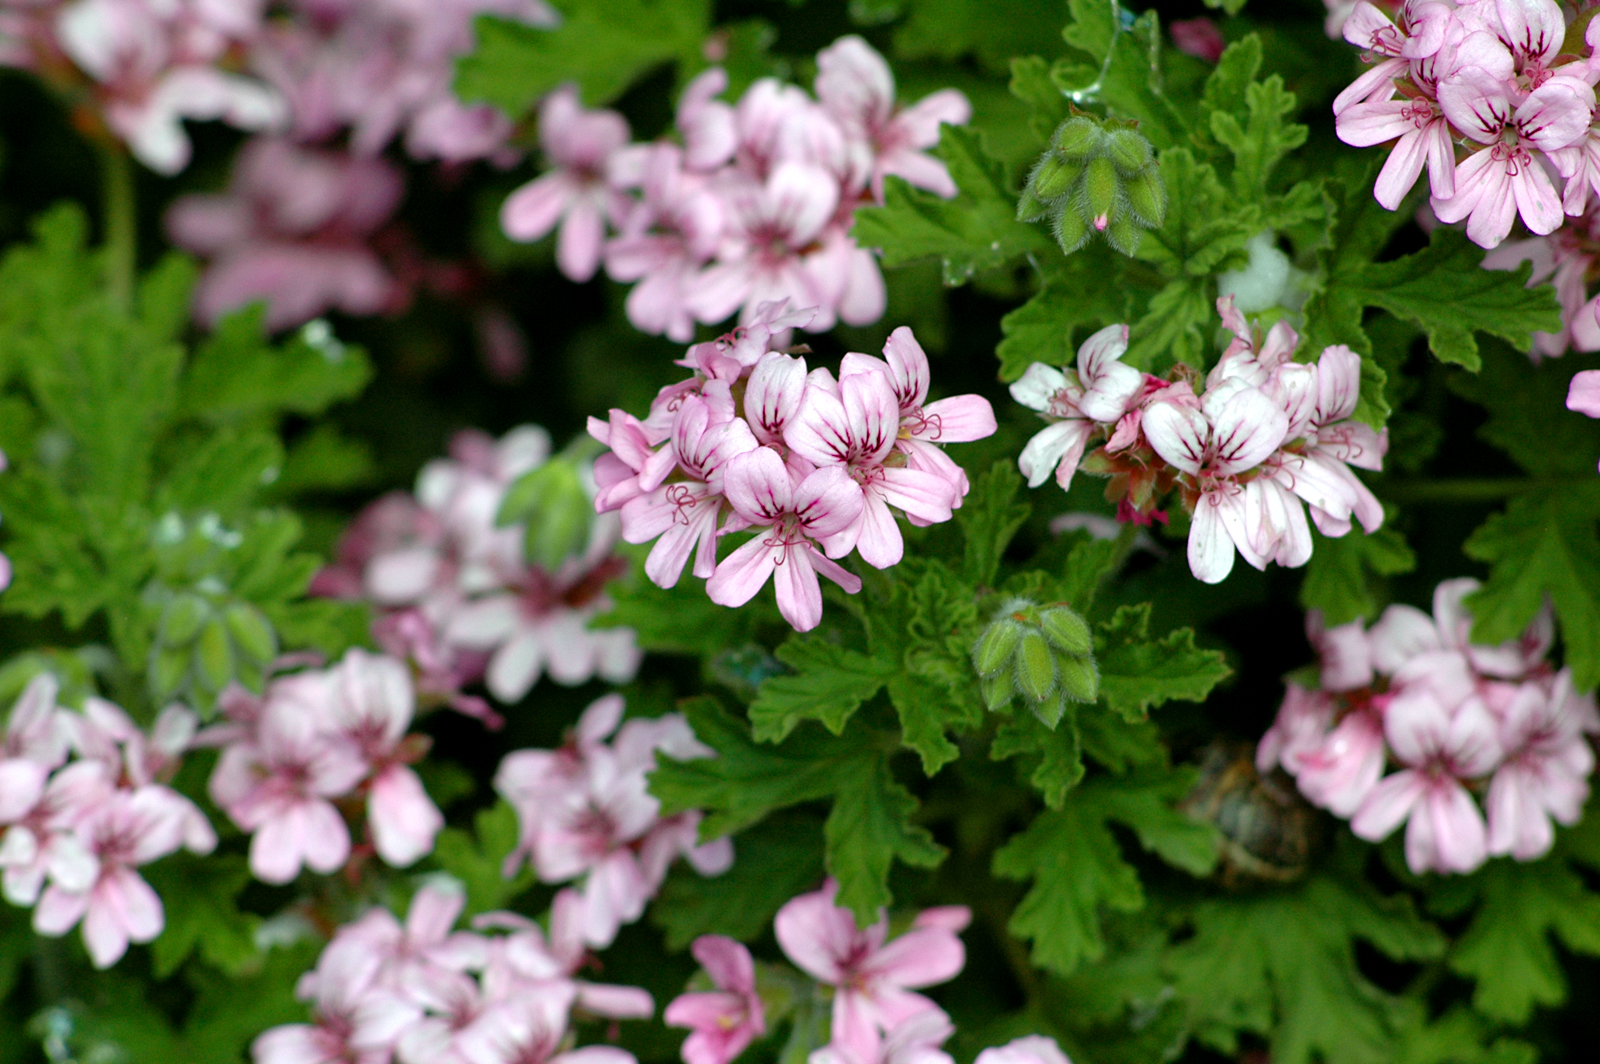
169 667
995 646
998 690
1129 151
1123 233
1068 631
1036 666
1077 137
1080 678
1100 187
1053 177
551 503
1071 231
1147 195
1031 208
1050 711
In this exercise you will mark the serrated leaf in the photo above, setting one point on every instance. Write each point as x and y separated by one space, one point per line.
777 860
1072 293
1126 74
923 707
989 517
867 828
976 230
1542 545
1527 411
1077 867
1054 754
1258 137
478 858
236 374
1138 672
602 45
828 685
207 920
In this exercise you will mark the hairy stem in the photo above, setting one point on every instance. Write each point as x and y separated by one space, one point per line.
120 223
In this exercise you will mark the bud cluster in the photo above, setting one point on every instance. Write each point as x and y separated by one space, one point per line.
206 640
1043 653
1097 177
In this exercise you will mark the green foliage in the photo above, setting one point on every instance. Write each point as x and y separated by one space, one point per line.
1077 866
208 921
479 859
603 46
1138 673
1343 574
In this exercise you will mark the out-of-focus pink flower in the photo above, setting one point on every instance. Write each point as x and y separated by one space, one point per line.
723 1021
1546 769
873 980
123 831
1198 37
1445 831
856 87
577 194
1031 1049
293 230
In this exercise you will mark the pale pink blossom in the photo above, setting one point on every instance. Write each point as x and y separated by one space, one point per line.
792 518
1546 769
577 193
1440 748
725 1020
1030 1049
1198 37
1564 259
1077 403
874 981
1583 394
857 88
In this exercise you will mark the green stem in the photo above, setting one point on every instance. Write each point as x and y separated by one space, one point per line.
1467 489
120 224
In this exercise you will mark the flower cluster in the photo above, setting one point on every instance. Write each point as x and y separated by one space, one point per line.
422 993
1264 434
1493 78
82 806
314 739
753 206
456 596
585 811
752 440
877 1017
140 67
1456 719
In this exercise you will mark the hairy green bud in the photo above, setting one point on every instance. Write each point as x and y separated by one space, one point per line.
169 667
1078 137
213 656
1128 150
1068 631
1123 233
1071 231
1147 195
995 646
1031 208
1036 666
998 690
1080 678
1050 711
1100 188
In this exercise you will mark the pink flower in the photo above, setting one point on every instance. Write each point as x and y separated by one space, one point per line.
1097 394
1445 831
125 830
528 1029
1583 394
856 87
1545 773
293 229
855 430
1236 428
1501 180
724 1021
795 516
1340 771
1564 258
1198 37
1031 1049
356 1018
1422 137
577 193
873 980
372 708
279 785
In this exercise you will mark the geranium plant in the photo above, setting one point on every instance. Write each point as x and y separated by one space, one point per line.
899 532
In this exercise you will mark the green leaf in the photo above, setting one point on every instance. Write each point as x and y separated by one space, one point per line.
989 518
1262 138
777 859
977 230
1527 411
1342 572
1138 672
868 826
1543 545
1031 83
1072 293
603 45
829 684
1126 73
681 619
237 375
207 920
1053 757
1077 866
478 859
1282 965
1507 948
993 31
